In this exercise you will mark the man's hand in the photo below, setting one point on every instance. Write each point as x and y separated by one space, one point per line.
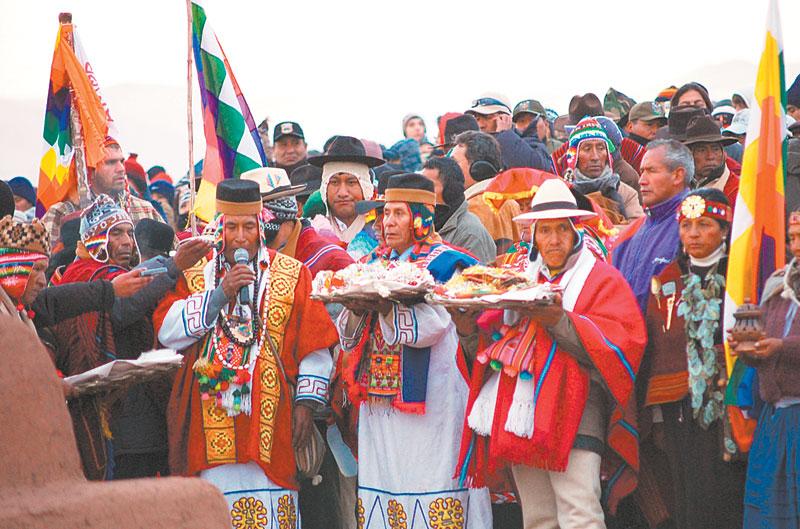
237 277
546 315
303 422
465 320
766 347
732 343
190 252
361 307
503 122
129 283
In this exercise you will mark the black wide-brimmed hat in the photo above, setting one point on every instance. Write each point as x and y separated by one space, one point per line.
705 129
309 176
238 197
679 119
346 149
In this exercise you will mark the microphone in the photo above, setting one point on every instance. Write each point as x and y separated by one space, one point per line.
241 257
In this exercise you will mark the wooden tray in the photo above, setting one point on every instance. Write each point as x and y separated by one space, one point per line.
478 303
404 296
123 381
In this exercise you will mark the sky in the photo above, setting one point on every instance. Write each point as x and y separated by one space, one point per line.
357 67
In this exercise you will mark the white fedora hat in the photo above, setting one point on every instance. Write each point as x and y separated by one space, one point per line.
553 200
273 182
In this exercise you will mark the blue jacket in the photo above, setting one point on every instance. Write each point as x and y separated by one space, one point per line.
517 152
650 249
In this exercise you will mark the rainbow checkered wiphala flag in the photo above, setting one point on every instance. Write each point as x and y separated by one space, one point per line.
73 98
233 145
758 233
57 176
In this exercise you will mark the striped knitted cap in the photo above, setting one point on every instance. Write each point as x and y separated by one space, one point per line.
587 129
96 221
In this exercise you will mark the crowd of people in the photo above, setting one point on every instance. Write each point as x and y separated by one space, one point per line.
607 408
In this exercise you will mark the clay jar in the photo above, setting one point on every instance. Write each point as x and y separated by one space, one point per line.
748 329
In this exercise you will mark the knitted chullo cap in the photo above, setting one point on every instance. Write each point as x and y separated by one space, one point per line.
21 245
31 237
587 129
409 117
96 221
666 94
133 168
612 130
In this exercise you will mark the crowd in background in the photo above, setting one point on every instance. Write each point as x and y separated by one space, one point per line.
626 206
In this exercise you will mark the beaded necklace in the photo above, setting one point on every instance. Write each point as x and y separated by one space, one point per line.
700 308
223 370
225 324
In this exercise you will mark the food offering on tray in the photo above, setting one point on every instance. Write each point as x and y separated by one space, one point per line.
492 287
397 281
119 375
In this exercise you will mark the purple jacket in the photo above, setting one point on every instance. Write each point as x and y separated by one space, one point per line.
650 249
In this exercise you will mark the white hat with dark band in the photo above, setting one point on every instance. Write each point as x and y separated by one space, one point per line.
553 200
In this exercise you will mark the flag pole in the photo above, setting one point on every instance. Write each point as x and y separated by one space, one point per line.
82 187
192 217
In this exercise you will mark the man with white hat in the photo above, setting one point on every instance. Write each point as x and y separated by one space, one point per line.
544 391
493 113
288 234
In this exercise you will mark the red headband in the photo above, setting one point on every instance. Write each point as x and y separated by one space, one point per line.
794 218
695 206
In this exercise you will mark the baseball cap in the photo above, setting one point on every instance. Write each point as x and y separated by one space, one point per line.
490 103
647 111
528 106
723 109
287 128
739 123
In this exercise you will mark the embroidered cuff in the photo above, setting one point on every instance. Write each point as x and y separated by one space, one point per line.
400 326
194 311
350 328
312 388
